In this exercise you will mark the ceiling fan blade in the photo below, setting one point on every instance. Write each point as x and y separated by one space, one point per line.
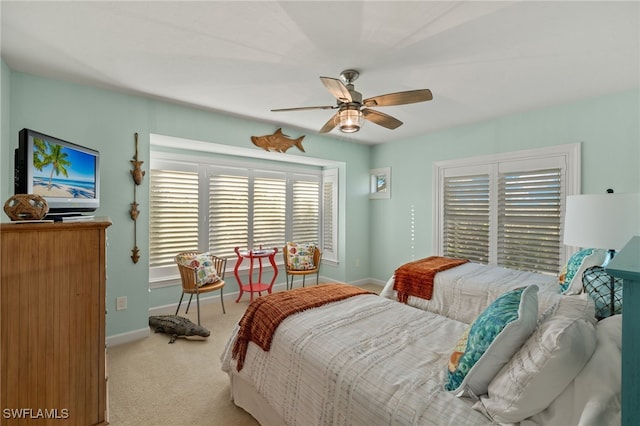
381 119
304 108
337 88
329 125
399 98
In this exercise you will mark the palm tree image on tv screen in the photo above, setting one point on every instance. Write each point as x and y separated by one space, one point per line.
60 172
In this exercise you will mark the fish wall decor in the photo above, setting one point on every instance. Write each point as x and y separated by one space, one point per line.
277 142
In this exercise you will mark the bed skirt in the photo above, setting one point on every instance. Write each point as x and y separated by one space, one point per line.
245 396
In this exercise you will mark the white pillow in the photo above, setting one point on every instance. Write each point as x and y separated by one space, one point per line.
544 366
594 396
578 306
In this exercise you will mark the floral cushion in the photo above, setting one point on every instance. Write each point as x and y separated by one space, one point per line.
300 256
206 272
491 340
571 275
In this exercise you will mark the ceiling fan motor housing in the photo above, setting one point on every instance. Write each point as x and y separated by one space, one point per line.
348 77
356 97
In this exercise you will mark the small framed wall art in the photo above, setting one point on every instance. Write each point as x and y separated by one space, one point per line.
380 183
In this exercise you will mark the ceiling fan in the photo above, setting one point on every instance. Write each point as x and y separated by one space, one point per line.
353 110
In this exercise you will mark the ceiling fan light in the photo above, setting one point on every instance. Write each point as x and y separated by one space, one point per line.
349 120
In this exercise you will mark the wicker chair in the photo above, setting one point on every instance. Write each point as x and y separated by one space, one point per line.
290 272
189 276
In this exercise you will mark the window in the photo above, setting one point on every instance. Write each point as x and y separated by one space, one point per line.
196 205
173 216
507 209
305 211
466 217
228 206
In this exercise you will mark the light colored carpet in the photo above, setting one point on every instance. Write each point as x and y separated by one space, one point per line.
154 383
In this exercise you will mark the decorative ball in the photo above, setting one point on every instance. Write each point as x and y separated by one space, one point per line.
26 207
597 284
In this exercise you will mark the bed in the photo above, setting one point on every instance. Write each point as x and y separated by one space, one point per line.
463 291
369 360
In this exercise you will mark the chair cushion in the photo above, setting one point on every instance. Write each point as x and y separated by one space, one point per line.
206 272
300 256
491 340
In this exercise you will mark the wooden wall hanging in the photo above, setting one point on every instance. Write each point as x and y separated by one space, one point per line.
137 173
277 142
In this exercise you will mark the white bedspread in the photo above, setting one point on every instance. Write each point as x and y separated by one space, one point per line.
314 375
463 292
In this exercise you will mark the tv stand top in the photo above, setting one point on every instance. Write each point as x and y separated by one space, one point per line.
69 217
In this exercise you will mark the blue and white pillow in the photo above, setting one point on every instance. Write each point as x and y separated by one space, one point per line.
491 340
571 276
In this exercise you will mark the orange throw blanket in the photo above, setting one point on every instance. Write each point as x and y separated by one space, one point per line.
265 314
416 278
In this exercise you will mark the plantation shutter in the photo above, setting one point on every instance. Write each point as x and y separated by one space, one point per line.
173 214
467 217
269 211
305 210
228 213
204 206
327 217
506 209
330 215
529 220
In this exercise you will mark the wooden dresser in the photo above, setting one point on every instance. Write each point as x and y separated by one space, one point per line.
52 323
626 265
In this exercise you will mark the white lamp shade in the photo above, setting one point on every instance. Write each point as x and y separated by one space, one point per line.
603 221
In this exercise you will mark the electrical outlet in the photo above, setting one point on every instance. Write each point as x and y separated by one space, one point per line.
121 303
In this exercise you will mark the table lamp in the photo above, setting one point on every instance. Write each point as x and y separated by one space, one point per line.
602 221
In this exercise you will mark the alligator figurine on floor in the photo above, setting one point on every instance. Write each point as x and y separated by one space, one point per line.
176 326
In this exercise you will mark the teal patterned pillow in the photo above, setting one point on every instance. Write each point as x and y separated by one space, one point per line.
491 340
571 275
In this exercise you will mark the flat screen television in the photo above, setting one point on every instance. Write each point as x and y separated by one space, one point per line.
66 175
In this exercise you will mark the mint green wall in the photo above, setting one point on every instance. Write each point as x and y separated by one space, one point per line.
6 161
376 235
608 128
107 120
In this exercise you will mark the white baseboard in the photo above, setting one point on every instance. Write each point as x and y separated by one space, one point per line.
213 297
170 309
357 283
129 336
233 295
362 282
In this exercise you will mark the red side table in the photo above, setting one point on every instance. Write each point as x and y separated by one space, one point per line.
260 286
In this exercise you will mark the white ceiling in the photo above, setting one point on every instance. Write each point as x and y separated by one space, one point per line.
480 59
